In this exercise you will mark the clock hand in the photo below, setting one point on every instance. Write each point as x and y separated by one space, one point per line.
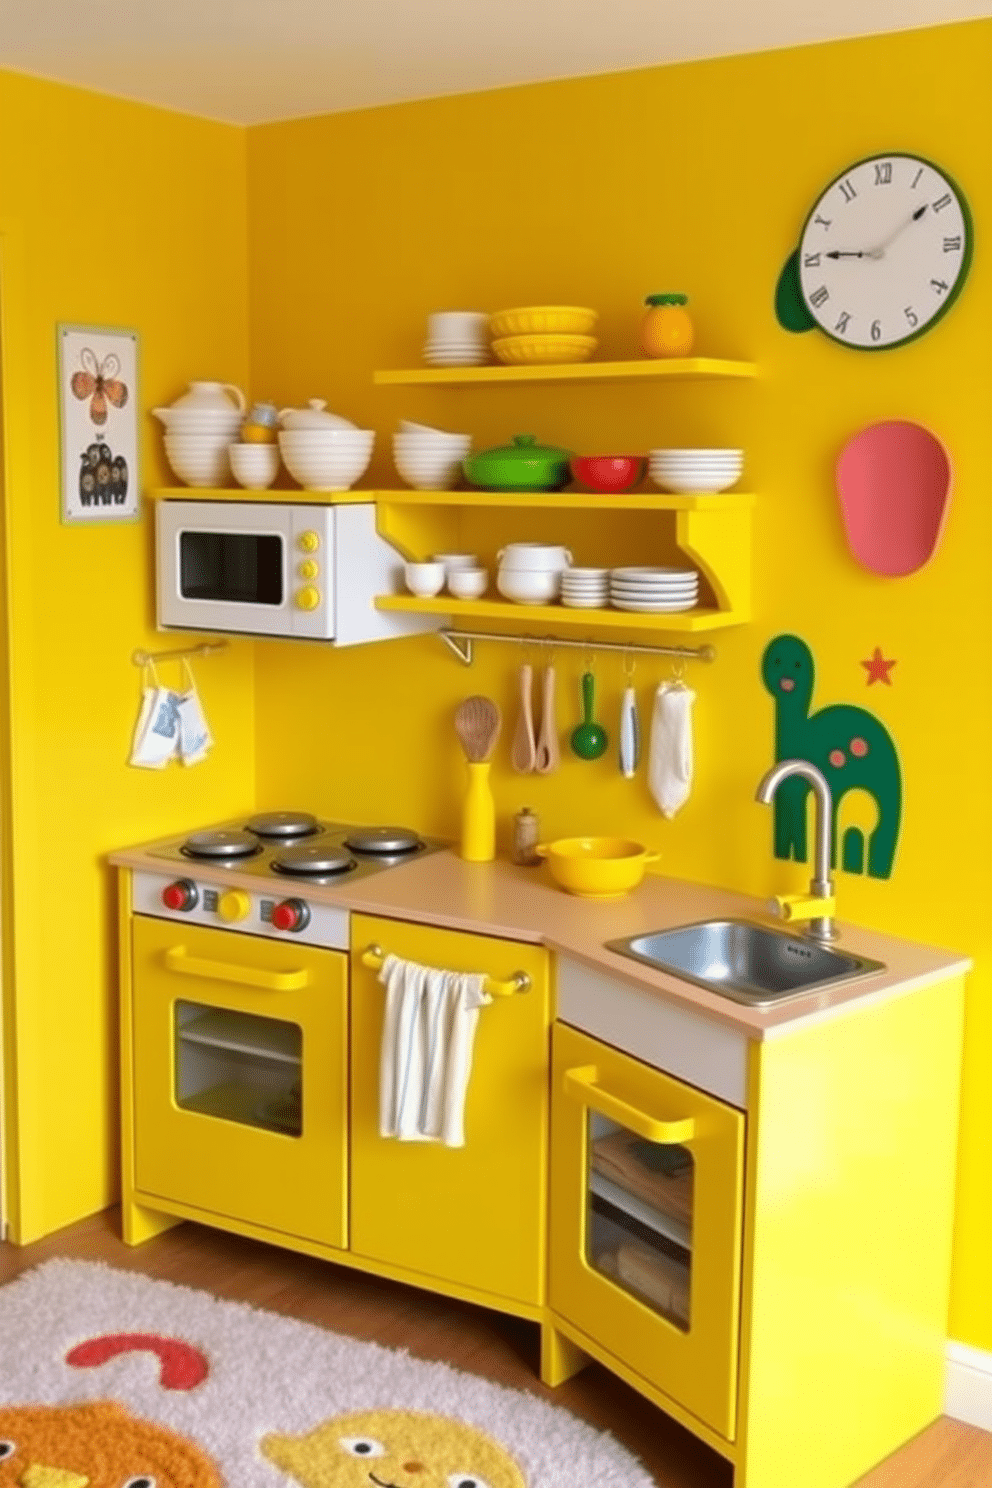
879 250
849 253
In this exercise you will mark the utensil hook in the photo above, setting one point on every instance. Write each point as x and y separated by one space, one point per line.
629 666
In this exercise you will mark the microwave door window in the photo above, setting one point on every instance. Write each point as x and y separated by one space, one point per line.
231 567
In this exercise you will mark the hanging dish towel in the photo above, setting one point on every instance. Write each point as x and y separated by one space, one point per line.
425 1060
156 734
670 767
195 737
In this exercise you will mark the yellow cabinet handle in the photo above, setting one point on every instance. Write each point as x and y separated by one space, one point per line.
580 1084
373 956
177 959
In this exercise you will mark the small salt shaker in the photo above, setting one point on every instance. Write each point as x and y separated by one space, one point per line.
526 833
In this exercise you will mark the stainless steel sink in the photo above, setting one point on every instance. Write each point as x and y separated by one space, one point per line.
749 963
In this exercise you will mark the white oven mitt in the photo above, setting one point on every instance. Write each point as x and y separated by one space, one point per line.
670 757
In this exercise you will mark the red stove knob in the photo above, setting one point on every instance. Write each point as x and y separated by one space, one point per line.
291 914
181 895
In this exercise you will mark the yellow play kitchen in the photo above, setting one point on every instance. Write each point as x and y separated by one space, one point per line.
705 1140
715 1154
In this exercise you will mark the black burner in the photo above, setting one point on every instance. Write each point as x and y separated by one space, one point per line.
315 858
283 825
222 845
383 841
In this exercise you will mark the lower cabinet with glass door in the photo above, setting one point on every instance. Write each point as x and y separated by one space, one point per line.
647 1179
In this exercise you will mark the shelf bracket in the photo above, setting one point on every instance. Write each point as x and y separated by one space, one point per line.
461 643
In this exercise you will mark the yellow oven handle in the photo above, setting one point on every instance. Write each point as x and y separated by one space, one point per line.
373 957
178 959
580 1084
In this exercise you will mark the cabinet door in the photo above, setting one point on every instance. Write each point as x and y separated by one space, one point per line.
646 1204
471 1216
239 1076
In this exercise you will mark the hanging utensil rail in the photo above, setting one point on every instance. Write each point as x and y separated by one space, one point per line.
460 642
143 658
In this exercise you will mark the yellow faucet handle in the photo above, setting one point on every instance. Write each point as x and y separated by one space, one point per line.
802 907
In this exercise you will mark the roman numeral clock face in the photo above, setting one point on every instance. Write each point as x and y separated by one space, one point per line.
884 252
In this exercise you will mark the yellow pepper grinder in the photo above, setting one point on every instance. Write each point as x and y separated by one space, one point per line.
477 724
666 329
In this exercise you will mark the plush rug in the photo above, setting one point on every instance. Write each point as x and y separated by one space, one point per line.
110 1380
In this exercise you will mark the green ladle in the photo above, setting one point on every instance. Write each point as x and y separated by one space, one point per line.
589 740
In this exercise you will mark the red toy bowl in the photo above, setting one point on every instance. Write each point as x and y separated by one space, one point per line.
608 472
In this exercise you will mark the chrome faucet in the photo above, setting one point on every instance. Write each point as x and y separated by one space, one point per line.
818 907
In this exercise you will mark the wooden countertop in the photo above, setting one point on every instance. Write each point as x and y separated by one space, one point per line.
524 904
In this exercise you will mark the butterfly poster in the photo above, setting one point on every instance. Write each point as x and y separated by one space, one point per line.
98 405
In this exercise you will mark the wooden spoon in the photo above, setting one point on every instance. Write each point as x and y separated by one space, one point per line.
522 755
546 754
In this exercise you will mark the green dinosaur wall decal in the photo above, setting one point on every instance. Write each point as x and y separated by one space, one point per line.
849 745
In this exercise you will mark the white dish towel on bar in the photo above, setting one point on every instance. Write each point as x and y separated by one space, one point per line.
670 750
425 1060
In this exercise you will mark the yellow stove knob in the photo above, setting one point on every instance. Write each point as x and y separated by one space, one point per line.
309 541
308 598
234 905
308 569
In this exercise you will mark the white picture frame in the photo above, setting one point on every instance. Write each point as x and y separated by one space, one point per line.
98 423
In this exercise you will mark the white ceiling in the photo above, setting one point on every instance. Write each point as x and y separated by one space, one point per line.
253 61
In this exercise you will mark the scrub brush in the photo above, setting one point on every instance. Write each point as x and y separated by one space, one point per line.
477 724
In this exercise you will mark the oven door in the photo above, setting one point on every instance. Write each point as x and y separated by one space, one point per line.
253 567
240 1086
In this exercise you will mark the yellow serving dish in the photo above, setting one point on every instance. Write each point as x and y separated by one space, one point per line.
522 350
543 320
597 867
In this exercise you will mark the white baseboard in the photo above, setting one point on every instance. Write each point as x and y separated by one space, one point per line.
968 1391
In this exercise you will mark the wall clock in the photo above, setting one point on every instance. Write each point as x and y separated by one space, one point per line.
883 254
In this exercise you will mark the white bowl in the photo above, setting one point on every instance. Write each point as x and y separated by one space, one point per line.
438 476
326 475
432 442
528 586
467 583
697 454
204 419
253 466
688 484
407 426
424 579
456 560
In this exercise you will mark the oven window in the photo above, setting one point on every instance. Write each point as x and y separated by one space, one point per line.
239 1066
238 567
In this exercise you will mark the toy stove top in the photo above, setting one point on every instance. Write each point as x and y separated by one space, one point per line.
295 845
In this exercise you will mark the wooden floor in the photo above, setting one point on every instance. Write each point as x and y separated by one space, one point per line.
947 1455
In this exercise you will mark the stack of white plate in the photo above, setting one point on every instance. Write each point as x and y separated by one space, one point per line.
457 338
646 590
585 588
686 470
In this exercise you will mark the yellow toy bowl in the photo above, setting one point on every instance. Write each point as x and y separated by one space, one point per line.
527 350
597 867
543 320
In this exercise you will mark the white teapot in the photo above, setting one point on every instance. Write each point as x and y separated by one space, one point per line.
204 405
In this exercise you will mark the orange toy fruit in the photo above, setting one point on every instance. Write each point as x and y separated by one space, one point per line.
666 330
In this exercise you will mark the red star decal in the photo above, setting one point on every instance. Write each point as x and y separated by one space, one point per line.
878 668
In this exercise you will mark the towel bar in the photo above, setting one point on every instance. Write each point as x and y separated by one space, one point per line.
373 956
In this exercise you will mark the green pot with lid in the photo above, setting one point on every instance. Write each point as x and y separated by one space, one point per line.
523 465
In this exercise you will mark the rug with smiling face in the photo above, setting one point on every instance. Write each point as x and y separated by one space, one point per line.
110 1380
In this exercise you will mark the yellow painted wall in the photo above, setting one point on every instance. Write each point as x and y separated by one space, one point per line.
597 191
115 214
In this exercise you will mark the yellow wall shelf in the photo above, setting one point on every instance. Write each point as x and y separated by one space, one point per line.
566 501
560 616
687 367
